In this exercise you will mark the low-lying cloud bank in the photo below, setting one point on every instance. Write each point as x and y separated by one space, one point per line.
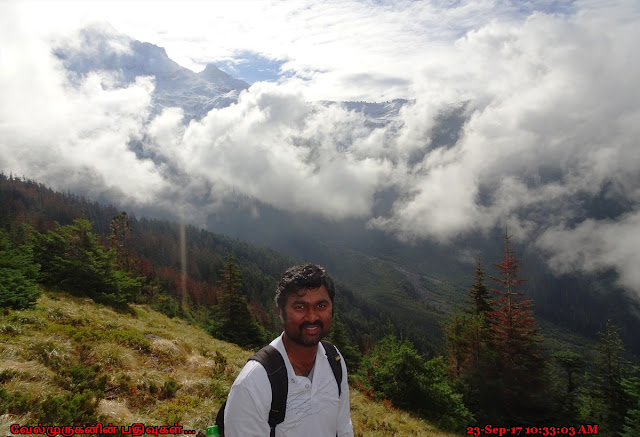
551 109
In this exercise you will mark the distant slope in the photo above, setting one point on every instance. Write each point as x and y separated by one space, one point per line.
139 368
368 314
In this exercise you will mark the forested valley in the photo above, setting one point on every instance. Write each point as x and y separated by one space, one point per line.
486 362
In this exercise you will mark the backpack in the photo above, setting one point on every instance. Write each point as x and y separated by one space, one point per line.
273 363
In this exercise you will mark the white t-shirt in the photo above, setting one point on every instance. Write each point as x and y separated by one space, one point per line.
313 408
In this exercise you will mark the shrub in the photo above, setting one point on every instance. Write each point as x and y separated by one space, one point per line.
396 372
18 273
51 354
219 362
14 403
168 306
170 388
76 408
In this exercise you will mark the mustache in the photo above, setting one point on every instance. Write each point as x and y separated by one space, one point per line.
318 323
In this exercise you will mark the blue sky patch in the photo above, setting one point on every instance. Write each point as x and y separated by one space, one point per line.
252 67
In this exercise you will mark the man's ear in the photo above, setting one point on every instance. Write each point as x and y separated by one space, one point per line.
282 317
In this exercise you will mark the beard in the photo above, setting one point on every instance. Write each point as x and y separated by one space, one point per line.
307 334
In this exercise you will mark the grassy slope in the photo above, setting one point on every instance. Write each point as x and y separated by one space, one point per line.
140 353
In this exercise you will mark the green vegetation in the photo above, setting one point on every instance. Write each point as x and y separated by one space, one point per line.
72 259
394 371
233 320
18 273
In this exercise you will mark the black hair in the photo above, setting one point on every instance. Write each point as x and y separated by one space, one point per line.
306 276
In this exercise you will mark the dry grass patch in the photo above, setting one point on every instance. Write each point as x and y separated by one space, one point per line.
115 412
168 352
113 356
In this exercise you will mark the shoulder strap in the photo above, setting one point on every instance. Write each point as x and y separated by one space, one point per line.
220 419
334 360
273 363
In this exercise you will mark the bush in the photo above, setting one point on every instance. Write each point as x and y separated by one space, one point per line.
76 409
170 388
396 372
18 273
14 403
168 306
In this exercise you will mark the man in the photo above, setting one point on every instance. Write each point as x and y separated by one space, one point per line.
314 407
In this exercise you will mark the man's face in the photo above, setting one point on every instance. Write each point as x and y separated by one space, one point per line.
307 316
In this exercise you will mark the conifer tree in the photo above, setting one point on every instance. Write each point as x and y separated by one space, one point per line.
608 401
518 364
396 372
466 333
120 239
234 321
467 337
512 323
477 326
338 336
18 273
478 301
631 387
456 338
571 363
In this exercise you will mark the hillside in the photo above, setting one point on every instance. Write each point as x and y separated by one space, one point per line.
140 367
366 305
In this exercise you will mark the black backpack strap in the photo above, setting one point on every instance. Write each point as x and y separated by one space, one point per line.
273 363
220 419
334 361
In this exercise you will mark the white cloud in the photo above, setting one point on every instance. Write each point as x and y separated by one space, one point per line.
74 136
595 246
550 100
549 97
275 146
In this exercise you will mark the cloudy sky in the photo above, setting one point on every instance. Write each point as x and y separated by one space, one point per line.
549 91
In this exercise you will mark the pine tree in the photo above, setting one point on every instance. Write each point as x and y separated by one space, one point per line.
234 321
571 363
455 330
478 301
631 387
339 338
18 273
467 336
466 332
120 240
518 364
608 401
512 323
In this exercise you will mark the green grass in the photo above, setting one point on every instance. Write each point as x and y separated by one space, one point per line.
72 360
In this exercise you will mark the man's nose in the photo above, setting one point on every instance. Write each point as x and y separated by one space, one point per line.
312 315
